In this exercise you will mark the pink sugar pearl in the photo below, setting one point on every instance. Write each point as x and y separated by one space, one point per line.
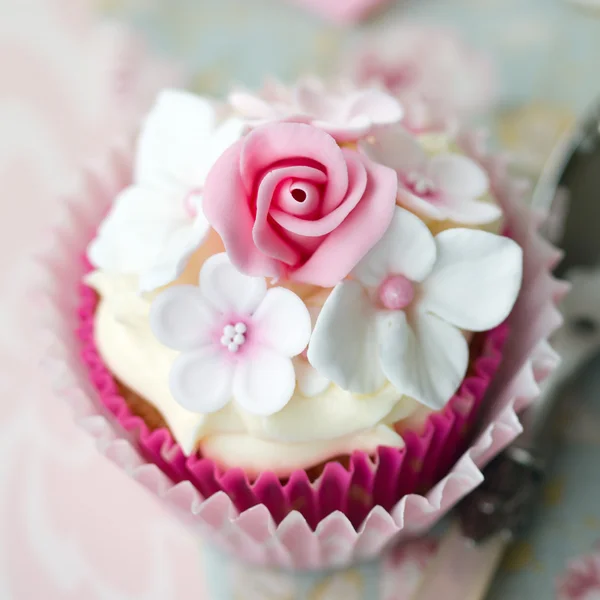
396 292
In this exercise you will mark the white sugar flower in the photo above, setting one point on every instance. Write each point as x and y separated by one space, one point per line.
344 112
157 222
399 318
237 339
443 186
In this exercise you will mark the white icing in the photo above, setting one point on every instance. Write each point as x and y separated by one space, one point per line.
307 431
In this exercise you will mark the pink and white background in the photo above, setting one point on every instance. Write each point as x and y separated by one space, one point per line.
73 526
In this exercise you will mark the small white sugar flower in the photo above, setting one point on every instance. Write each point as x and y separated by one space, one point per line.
236 337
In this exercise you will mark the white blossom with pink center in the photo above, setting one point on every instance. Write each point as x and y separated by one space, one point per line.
443 186
236 337
343 111
401 317
156 223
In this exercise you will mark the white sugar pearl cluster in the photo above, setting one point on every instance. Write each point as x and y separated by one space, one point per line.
233 336
420 184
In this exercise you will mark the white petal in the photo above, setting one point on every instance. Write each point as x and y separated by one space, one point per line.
396 148
229 290
407 248
472 212
181 319
229 132
132 235
310 382
343 346
264 382
458 176
426 361
283 322
175 255
174 138
475 280
201 381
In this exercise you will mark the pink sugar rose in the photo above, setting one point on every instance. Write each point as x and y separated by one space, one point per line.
288 202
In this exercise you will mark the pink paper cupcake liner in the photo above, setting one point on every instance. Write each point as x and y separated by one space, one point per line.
315 535
368 482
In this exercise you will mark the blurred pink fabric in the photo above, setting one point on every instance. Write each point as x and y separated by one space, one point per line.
342 11
72 525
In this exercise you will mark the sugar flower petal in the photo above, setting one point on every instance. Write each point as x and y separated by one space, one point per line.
310 382
476 279
264 383
283 321
226 289
407 248
181 318
343 346
201 381
458 175
426 359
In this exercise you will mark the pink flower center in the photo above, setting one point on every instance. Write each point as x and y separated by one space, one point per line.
420 185
190 202
234 336
300 198
396 292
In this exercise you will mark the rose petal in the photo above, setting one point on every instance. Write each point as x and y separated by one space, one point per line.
476 279
458 176
229 132
181 319
265 238
226 289
358 233
264 382
426 361
201 381
357 183
274 142
407 248
283 322
396 148
310 382
227 209
343 346
173 138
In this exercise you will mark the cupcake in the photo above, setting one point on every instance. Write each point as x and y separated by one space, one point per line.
295 308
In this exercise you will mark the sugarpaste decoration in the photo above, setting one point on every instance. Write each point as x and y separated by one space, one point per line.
236 337
399 318
157 222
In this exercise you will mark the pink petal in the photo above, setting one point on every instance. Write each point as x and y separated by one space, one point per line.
283 322
358 233
201 381
458 176
181 319
269 145
264 382
265 238
357 184
226 206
